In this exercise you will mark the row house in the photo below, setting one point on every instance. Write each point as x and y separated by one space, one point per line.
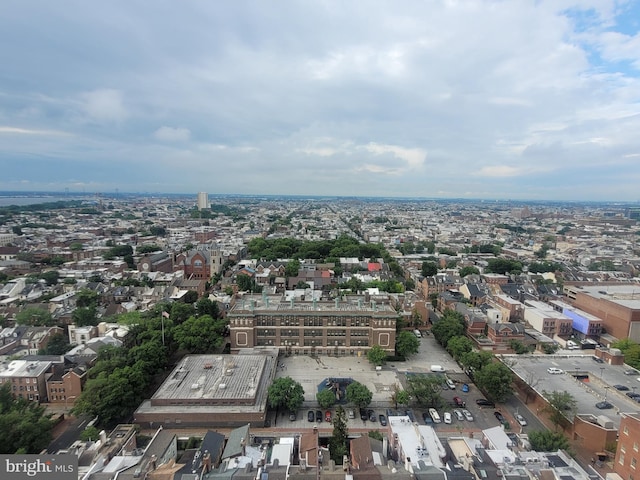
512 310
23 340
65 385
26 379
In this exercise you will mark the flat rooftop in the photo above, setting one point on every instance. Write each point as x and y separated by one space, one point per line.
253 304
627 295
215 377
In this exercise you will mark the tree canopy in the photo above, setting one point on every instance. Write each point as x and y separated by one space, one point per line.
359 394
25 426
496 380
406 344
200 334
376 355
450 325
548 441
425 389
285 392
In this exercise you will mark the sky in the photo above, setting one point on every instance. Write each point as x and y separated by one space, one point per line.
486 99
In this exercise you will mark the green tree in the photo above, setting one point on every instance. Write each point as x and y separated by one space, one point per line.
458 346
399 396
25 426
495 379
548 441
518 347
559 404
429 269
51 277
376 355
90 433
292 268
199 334
406 344
85 316
326 398
57 345
142 249
476 360
190 297
34 316
285 392
180 312
338 441
447 327
205 306
468 270
359 394
425 389
86 298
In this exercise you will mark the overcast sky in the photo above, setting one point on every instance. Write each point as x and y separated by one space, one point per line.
510 99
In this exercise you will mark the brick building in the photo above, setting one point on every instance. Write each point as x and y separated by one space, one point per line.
336 327
618 306
628 452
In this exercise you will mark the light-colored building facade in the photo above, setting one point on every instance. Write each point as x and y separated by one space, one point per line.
203 200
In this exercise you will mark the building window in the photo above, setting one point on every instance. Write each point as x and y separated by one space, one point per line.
621 459
633 463
626 430
623 448
635 446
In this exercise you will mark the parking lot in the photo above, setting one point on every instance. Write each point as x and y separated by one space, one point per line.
311 372
588 381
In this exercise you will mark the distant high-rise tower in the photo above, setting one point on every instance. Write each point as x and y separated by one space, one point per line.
203 200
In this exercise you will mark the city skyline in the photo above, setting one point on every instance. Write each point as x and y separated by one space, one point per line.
456 99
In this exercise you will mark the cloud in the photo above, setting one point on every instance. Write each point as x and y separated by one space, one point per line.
172 134
414 100
105 105
30 131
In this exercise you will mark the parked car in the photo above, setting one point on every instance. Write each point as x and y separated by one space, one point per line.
435 416
292 415
458 413
520 419
459 402
327 416
499 416
467 415
351 414
409 413
427 418
604 405
311 416
450 384
554 370
483 402
622 388
465 387
631 371
383 420
372 415
597 359
363 414
318 415
632 394
446 417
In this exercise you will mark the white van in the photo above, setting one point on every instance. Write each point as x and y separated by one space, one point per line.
417 333
437 368
433 413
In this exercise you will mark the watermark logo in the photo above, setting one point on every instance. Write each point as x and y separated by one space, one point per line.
38 467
